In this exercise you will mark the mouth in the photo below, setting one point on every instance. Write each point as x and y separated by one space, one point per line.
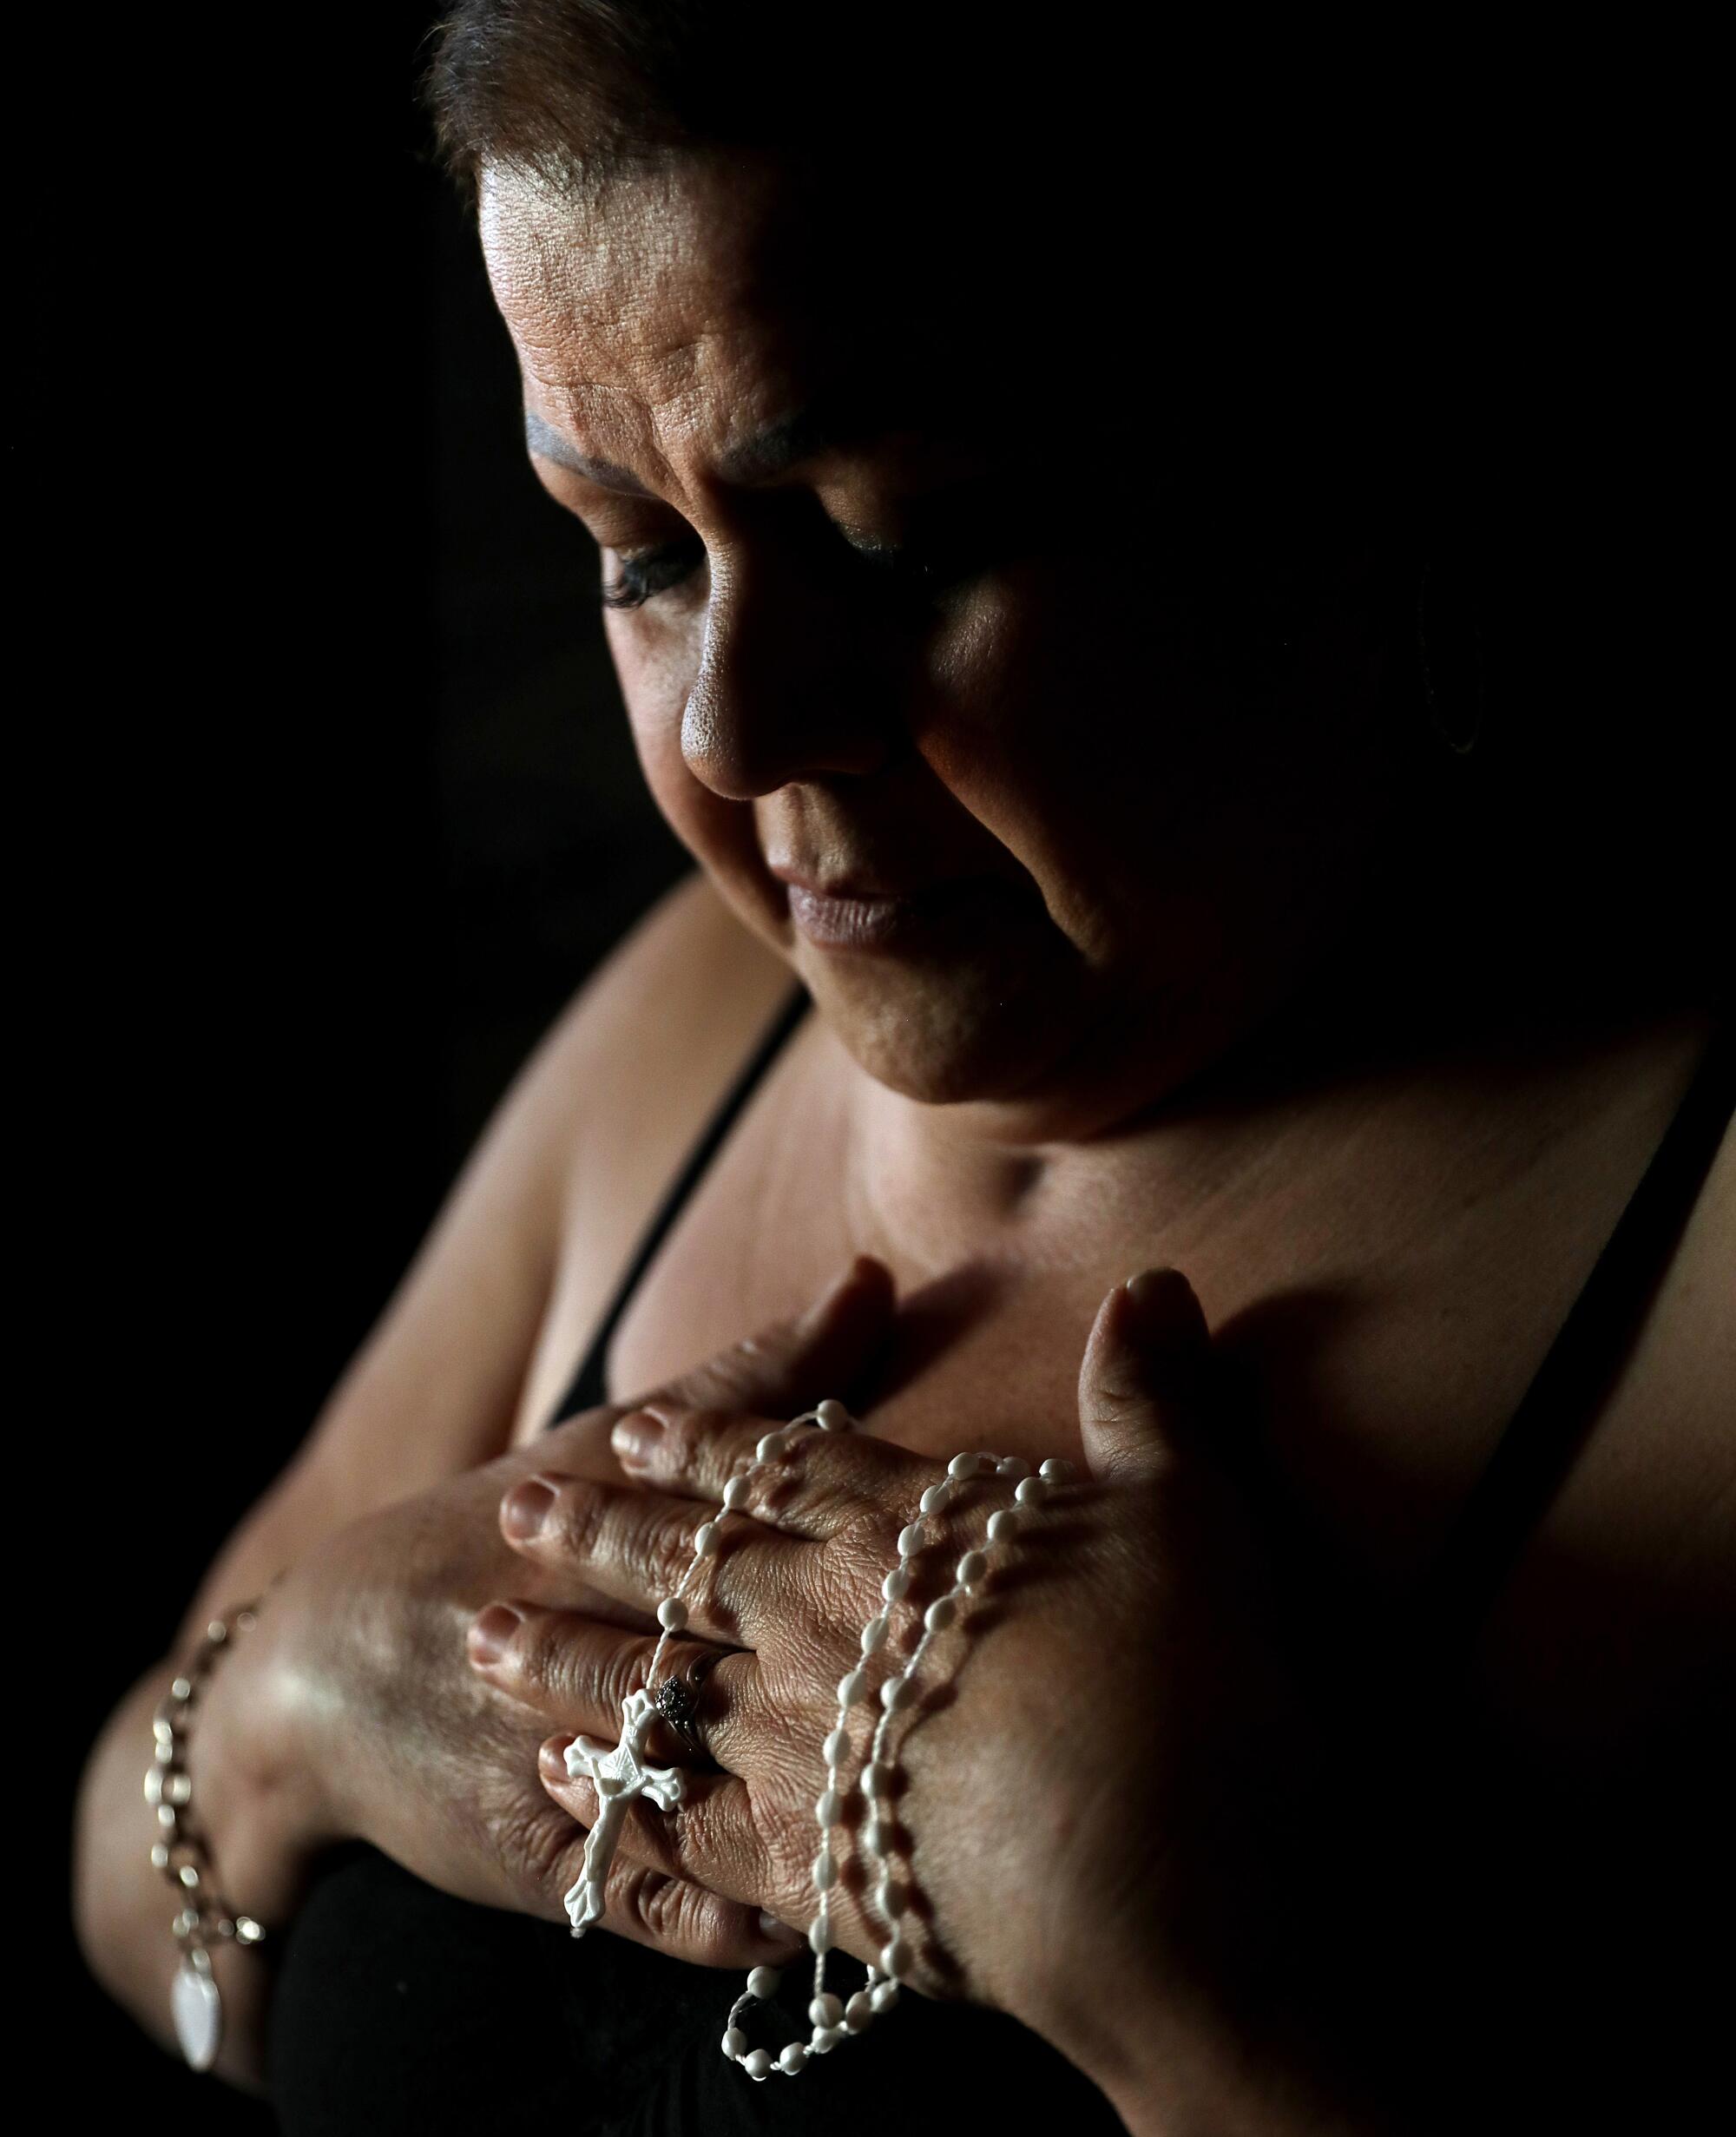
858 919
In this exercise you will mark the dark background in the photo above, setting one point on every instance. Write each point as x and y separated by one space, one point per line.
331 807
323 802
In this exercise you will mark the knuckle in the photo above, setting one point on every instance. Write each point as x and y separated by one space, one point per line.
679 1916
578 1519
534 1842
863 1544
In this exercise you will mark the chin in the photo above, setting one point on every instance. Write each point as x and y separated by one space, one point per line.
941 1038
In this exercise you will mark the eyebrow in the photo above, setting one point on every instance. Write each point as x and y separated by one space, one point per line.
770 453
546 443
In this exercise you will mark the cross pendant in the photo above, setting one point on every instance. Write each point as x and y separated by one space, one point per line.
619 1773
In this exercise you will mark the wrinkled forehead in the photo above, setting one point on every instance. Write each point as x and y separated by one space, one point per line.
701 300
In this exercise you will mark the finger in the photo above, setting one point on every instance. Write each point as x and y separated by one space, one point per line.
725 1580
786 1367
708 1838
578 1673
1143 1382
795 1363
808 1480
676 1915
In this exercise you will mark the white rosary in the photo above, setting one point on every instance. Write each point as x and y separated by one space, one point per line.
620 1772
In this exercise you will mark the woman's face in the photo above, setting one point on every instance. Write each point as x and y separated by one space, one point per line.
958 691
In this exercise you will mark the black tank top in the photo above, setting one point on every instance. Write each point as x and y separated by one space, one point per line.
398 2008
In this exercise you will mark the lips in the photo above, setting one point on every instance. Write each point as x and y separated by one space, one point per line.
882 923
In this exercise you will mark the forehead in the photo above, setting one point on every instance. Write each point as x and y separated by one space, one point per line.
671 299
701 303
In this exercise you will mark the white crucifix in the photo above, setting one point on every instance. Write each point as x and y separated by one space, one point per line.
619 1773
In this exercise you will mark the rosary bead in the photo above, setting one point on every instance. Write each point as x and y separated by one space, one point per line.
895 1959
1032 1491
758 2064
911 1540
940 1614
877 1780
827 1808
851 1689
833 1417
890 1898
735 1493
1003 1525
1057 1471
763 1980
895 1694
885 1994
827 2010
672 1614
1012 1465
858 2013
824 1871
736 2044
963 1465
934 1498
769 1448
895 1584
874 1634
705 1541
792 2058
971 1568
837 1746
820 1937
825 2039
876 1837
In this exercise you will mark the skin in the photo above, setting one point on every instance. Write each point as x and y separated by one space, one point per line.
794 704
1109 1061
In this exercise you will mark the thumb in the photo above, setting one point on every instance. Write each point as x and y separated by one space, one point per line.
1142 1383
797 1362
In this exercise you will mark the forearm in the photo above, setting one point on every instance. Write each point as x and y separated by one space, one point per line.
124 1907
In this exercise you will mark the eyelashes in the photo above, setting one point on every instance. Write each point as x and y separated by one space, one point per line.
907 573
651 572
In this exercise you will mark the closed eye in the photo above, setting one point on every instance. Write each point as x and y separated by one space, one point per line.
646 573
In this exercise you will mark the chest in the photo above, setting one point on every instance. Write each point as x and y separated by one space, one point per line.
1382 1281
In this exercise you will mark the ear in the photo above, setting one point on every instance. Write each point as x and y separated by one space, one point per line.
1143 1386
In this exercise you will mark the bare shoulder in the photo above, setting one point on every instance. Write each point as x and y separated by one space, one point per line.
637 1067
624 1074
1627 1593
685 989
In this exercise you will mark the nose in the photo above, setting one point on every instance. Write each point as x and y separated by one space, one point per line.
788 686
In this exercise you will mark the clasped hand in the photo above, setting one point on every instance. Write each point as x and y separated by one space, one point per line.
1081 1792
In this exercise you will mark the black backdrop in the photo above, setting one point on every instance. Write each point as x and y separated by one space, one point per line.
327 803
321 803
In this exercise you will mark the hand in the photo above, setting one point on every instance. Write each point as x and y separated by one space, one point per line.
349 1711
1079 1804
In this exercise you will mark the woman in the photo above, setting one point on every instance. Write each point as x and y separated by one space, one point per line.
1081 737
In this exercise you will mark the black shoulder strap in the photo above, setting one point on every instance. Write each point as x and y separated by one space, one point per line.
586 1389
1554 1417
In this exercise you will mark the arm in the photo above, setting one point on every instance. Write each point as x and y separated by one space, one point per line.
456 1351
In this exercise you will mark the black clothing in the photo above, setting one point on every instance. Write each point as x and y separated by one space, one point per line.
398 2008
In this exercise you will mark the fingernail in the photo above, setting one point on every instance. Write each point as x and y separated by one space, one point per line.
1161 1304
830 1297
526 1508
776 1932
491 1632
635 1436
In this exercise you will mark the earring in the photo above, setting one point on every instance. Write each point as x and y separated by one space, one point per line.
1450 663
